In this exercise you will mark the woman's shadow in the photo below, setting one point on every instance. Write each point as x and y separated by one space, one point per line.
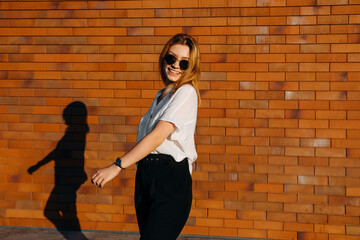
68 156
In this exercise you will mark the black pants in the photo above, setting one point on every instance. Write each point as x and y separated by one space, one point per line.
163 195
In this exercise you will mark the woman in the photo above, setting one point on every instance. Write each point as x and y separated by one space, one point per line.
165 148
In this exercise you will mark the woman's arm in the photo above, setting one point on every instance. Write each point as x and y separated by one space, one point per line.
51 156
149 143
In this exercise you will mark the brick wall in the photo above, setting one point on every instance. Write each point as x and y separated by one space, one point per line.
278 132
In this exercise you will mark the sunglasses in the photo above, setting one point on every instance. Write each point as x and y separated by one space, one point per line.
171 59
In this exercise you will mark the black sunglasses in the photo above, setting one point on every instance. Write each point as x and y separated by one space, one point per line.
171 59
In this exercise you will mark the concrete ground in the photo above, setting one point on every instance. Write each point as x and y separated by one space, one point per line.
20 233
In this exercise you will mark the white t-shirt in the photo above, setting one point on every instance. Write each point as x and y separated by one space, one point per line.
181 110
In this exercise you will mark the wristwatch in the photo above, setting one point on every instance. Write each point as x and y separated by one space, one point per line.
118 163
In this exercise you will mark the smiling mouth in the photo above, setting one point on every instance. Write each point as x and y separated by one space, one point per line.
174 72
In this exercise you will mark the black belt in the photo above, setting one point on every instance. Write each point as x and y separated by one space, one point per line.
156 159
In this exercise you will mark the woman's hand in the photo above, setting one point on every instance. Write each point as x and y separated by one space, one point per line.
33 169
104 175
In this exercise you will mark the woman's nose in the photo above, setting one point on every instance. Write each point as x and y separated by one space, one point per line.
176 64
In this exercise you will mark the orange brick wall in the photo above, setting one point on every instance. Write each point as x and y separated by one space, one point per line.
278 132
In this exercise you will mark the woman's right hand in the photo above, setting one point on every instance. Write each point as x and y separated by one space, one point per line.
105 175
32 169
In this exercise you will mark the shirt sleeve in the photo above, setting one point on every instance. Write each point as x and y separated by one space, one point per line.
182 108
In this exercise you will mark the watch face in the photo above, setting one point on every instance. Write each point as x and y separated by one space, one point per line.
118 163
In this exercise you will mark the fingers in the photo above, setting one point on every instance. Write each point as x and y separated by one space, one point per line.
101 183
95 179
94 176
104 175
98 180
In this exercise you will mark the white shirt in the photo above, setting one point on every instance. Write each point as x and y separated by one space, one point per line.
181 110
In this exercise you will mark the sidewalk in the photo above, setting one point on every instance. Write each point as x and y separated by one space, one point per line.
19 233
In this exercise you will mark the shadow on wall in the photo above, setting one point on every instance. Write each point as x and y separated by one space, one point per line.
69 171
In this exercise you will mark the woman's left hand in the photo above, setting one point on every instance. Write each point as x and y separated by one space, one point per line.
105 175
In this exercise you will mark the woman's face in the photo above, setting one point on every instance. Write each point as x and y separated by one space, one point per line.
175 68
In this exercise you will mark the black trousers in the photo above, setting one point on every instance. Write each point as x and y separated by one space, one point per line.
163 196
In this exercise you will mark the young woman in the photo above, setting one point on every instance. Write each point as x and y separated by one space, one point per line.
165 148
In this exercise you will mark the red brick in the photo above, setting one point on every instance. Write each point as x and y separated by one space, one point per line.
284 48
297 3
282 234
254 141
314 10
299 95
300 133
299 170
270 132
279 104
253 123
298 208
313 123
283 86
270 40
312 236
314 105
270 58
333 229
269 95
353 191
352 211
208 222
281 217
286 123
252 233
269 150
273 188
287 67
312 199
301 20
288 30
352 230
295 76
281 11
346 220
343 28
315 142
300 58
352 172
311 180
332 2
222 195
300 39
312 218
239 150
299 151
346 9
298 227
271 21
282 179
284 198
313 67
251 215
336 19
214 213
331 133
332 190
282 160
269 225
238 205
239 132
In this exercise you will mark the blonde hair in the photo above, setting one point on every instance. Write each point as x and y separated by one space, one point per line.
192 74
